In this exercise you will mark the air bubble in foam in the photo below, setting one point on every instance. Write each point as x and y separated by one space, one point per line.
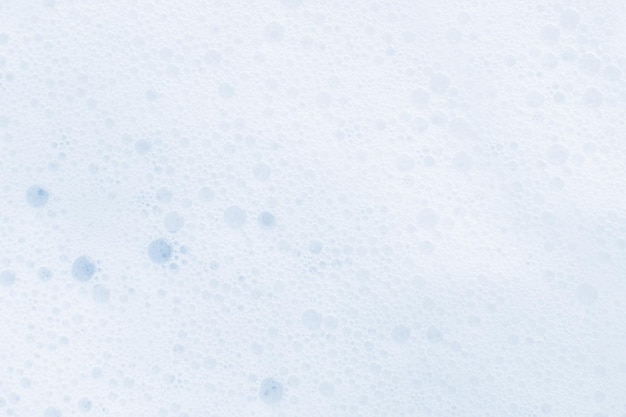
36 196
271 391
83 269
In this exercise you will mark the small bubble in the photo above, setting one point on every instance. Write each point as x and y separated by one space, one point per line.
159 251
589 64
400 334
463 162
261 171
52 412
44 274
311 319
267 220
36 196
569 19
83 269
226 90
326 389
84 405
173 222
534 99
434 335
206 194
427 218
557 155
550 34
235 216
163 195
439 83
586 294
593 98
315 247
323 100
142 147
7 278
100 293
274 32
420 98
271 391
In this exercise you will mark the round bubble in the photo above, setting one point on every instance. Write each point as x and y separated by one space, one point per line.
439 83
7 278
52 412
311 319
274 32
164 195
569 19
586 294
226 90
405 163
427 218
206 194
83 269
100 293
142 146
593 98
400 334
159 251
315 247
326 389
261 171
550 34
534 99
434 335
557 154
36 196
235 216
267 220
84 405
420 98
173 222
463 162
589 63
271 391
44 274
323 100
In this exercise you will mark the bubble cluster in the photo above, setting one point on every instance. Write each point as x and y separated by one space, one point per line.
304 208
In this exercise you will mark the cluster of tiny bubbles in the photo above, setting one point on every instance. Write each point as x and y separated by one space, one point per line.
305 160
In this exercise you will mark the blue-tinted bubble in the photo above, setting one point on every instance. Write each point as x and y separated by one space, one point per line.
164 195
36 196
400 334
267 220
311 319
100 293
235 216
271 391
173 222
84 405
7 278
142 146
83 269
44 274
159 251
315 247
52 412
